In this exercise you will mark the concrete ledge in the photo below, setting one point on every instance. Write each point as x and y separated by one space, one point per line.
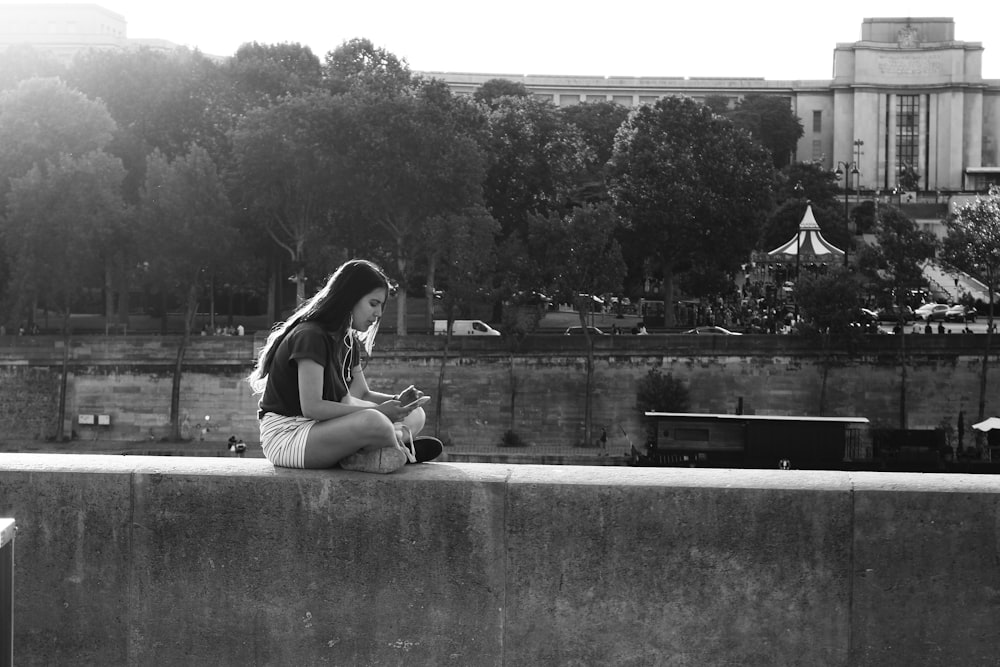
149 560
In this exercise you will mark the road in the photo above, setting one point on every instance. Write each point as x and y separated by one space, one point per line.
978 326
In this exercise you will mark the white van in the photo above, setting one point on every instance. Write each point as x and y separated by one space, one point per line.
464 328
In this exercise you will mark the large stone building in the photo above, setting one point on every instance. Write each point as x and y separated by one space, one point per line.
66 29
908 94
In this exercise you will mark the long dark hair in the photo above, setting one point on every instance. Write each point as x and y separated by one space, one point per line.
330 307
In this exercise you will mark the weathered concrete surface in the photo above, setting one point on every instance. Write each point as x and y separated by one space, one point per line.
169 560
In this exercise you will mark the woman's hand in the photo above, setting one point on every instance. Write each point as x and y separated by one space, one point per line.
409 395
395 410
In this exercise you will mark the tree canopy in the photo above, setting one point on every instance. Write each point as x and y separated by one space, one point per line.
771 121
972 244
695 189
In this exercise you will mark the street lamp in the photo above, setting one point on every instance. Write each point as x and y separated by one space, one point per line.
799 191
846 170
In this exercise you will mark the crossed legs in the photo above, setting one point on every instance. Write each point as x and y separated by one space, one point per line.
334 439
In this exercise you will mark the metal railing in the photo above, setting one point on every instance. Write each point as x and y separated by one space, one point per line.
6 592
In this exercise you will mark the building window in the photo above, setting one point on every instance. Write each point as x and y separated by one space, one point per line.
907 139
817 151
817 121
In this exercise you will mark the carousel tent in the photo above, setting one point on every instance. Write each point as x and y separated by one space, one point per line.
808 245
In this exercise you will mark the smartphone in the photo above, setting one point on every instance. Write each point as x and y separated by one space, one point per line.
408 396
417 403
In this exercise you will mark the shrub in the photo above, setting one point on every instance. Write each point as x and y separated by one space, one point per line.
662 393
512 439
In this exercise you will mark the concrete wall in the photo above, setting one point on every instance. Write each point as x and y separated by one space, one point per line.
177 561
130 378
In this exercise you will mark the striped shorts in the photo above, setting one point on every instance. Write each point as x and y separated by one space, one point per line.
283 439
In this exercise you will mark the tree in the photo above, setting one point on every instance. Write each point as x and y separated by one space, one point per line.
660 393
797 185
909 177
160 101
895 260
283 170
406 159
41 120
164 101
264 73
829 300
460 254
582 259
807 180
22 61
769 119
894 263
491 91
59 219
694 189
535 159
972 244
358 64
185 230
597 124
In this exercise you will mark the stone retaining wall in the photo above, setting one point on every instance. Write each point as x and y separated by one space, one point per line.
486 390
125 560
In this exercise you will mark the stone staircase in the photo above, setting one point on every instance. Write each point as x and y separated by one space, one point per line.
953 284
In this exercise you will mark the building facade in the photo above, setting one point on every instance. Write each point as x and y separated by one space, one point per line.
66 29
907 98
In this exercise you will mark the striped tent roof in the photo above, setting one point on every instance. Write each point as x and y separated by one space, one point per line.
809 243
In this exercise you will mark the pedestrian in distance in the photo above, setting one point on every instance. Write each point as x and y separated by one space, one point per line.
316 409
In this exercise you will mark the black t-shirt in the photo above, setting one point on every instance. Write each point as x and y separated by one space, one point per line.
308 340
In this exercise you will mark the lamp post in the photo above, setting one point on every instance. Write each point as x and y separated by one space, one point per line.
799 190
846 170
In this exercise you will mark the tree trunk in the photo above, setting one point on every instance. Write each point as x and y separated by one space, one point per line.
109 294
902 378
164 316
439 398
588 417
401 291
63 381
513 390
272 291
401 312
211 302
668 297
175 388
122 284
429 292
985 366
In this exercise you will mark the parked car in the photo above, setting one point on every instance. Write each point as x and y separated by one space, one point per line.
721 331
866 319
895 313
866 316
578 331
930 312
960 313
464 328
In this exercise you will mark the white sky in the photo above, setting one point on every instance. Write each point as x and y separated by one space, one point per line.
774 39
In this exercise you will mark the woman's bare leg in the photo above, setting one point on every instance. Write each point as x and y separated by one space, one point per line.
330 441
415 421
